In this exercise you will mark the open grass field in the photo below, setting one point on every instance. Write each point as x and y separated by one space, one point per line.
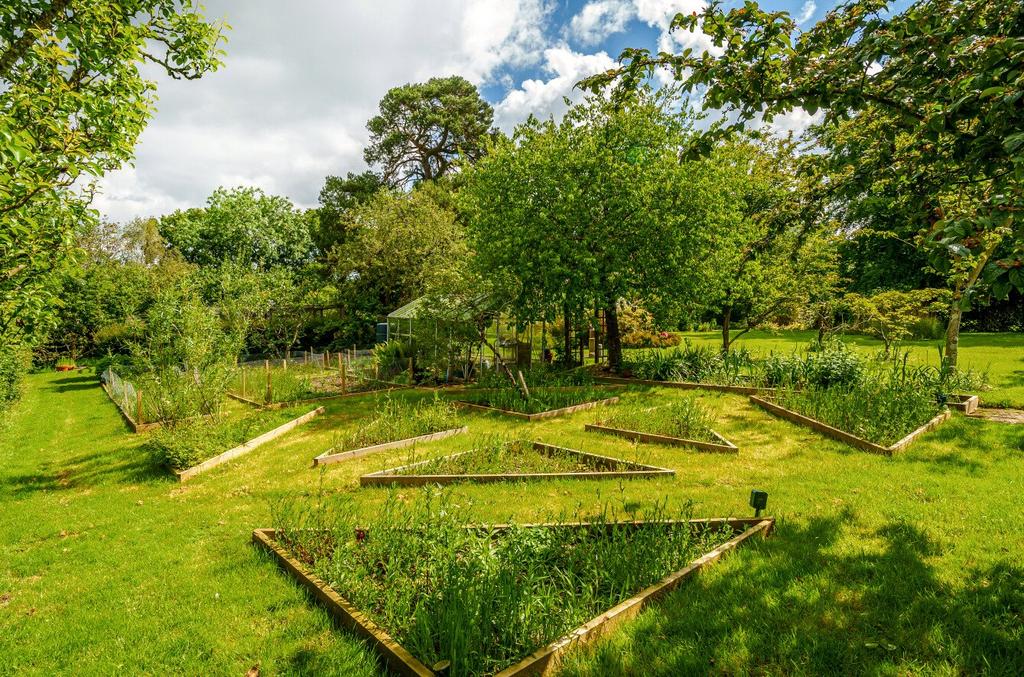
908 565
999 356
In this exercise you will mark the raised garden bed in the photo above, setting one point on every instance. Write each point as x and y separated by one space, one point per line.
547 658
245 447
509 403
330 456
686 385
681 422
843 436
379 387
514 461
722 446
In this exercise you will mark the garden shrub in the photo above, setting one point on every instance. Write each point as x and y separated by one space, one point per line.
13 363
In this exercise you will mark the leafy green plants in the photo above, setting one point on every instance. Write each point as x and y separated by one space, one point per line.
184 444
398 419
482 598
500 460
683 422
543 402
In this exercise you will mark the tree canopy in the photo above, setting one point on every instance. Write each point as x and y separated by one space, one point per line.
72 105
423 129
938 86
241 225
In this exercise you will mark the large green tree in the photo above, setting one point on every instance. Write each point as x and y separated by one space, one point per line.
939 86
338 196
398 245
423 129
591 210
769 255
72 105
242 225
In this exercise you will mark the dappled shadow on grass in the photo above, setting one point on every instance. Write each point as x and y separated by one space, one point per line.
127 465
792 605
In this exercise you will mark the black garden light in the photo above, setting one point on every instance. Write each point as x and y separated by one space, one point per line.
758 501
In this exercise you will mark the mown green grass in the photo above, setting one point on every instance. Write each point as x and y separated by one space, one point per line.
908 565
1000 356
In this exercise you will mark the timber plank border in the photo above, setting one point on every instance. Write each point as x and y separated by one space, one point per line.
843 436
391 476
551 413
723 446
327 457
546 659
687 385
246 447
315 400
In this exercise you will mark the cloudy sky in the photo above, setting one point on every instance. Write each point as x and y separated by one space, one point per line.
301 79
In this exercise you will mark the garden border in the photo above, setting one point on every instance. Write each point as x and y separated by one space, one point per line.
327 458
550 413
686 385
314 400
389 476
246 447
724 447
545 659
843 436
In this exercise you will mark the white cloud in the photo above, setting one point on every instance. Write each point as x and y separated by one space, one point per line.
795 121
806 12
600 18
545 97
298 86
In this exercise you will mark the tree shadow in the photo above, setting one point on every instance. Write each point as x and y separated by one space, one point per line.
792 604
135 465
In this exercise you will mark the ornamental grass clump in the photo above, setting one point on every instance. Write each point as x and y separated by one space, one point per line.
398 419
684 418
483 598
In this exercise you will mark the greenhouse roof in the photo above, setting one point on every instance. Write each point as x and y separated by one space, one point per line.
411 310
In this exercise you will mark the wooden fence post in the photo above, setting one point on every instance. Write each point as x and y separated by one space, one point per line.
284 363
269 397
344 379
138 407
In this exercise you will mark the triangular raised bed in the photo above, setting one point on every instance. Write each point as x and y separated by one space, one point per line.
544 660
604 467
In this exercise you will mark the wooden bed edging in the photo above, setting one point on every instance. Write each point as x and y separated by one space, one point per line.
546 659
968 404
135 427
686 385
314 400
723 446
635 470
551 413
246 447
843 436
395 656
327 458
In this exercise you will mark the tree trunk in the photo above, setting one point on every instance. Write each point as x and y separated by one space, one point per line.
566 335
726 322
614 347
949 354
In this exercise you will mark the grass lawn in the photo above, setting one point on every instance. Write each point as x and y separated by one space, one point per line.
999 356
908 565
